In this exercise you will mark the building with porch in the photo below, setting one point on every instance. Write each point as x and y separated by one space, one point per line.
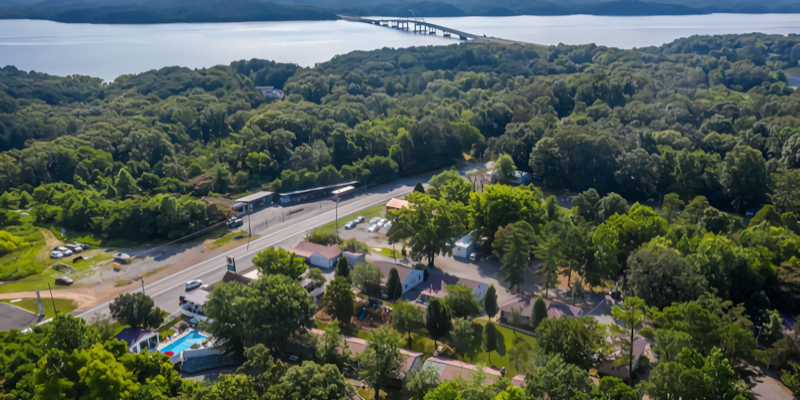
409 277
192 305
139 339
317 255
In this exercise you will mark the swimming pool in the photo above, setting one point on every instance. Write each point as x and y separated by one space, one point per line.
184 343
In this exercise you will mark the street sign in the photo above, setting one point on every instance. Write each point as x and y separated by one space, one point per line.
41 308
231 264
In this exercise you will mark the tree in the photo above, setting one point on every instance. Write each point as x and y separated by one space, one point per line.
490 302
268 310
125 184
517 248
548 249
367 277
613 388
671 206
462 336
394 288
316 276
332 348
558 380
492 338
420 382
229 386
279 261
342 268
661 276
259 359
136 310
744 176
311 381
438 321
539 312
429 226
631 317
338 300
381 360
407 318
461 301
500 205
693 376
792 379
504 166
418 188
579 341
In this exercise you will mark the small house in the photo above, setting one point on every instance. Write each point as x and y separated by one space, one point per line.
139 339
193 305
318 255
437 287
524 304
448 370
608 368
464 246
397 203
409 277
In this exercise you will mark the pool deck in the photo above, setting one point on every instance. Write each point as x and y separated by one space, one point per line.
165 343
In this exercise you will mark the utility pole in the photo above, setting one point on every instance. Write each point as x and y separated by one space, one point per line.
143 287
337 199
51 299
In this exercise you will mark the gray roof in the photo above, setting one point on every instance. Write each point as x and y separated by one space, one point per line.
13 317
254 197
319 188
131 336
402 271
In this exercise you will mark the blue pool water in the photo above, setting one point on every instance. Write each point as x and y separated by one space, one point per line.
184 343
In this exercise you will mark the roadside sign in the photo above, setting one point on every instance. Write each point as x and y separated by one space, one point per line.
231 264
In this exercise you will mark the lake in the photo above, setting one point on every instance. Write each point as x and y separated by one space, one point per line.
108 51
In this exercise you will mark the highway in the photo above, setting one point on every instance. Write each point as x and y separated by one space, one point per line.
166 291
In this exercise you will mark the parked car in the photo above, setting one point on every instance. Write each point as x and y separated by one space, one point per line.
235 224
64 251
384 221
373 228
360 219
616 295
85 246
373 220
349 225
75 248
56 254
387 226
63 281
191 285
473 256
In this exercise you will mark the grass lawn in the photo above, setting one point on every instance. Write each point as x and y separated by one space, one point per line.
63 305
215 233
388 252
32 282
367 213
225 239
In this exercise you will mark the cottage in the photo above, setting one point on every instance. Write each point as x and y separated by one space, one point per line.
524 304
448 369
464 246
412 360
139 339
437 284
640 345
409 277
318 255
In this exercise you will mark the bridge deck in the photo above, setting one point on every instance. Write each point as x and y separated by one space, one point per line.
428 24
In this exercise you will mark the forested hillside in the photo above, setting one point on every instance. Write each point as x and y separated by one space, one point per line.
708 116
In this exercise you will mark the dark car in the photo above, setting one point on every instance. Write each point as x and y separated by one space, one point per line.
63 281
616 295
236 224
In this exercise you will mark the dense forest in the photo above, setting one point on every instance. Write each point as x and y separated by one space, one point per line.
703 116
682 161
149 12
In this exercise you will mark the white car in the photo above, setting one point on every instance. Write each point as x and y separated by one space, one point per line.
373 220
373 228
349 225
64 251
387 226
360 219
75 248
191 285
56 254
384 221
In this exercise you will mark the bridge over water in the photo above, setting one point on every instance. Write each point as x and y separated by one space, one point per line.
418 25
